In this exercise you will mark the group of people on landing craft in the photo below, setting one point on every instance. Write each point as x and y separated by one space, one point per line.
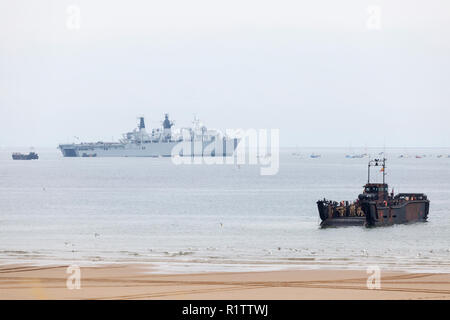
344 209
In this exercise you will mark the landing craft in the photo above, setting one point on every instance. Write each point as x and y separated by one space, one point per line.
375 206
21 156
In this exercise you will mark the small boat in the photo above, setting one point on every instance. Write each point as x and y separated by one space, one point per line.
375 206
315 156
21 156
356 156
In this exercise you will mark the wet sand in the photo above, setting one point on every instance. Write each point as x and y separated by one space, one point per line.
137 282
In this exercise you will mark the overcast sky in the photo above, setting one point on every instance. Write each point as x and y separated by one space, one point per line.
320 71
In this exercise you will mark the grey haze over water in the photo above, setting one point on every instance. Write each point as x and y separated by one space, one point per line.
310 68
189 218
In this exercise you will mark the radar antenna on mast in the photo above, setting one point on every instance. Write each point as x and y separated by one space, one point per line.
141 122
377 163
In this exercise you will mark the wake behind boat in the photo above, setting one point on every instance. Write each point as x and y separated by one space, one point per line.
159 143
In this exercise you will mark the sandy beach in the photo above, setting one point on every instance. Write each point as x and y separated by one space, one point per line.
137 282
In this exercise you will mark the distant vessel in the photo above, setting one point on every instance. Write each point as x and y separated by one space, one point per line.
21 156
353 155
356 156
375 206
198 140
315 156
362 155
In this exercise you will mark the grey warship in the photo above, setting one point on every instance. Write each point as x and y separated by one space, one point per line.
159 142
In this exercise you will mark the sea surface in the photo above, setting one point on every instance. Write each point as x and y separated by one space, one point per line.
199 217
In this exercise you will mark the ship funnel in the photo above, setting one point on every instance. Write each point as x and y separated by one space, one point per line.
141 123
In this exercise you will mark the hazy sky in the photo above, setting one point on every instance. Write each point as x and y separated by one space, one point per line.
313 69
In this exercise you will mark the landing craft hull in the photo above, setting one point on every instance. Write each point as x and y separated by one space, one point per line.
151 149
412 211
344 222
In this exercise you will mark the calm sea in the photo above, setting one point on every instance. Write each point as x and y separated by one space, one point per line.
190 218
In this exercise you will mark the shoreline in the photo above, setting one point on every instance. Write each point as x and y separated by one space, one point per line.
137 281
174 267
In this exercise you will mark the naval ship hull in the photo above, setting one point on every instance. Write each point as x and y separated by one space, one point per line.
150 149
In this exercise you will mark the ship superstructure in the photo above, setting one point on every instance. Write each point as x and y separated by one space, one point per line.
159 142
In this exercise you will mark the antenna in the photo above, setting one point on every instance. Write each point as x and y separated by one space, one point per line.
141 122
377 163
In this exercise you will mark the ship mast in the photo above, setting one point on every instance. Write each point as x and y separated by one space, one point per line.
141 128
377 163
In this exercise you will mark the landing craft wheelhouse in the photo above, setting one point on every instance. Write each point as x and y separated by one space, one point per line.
158 143
375 206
